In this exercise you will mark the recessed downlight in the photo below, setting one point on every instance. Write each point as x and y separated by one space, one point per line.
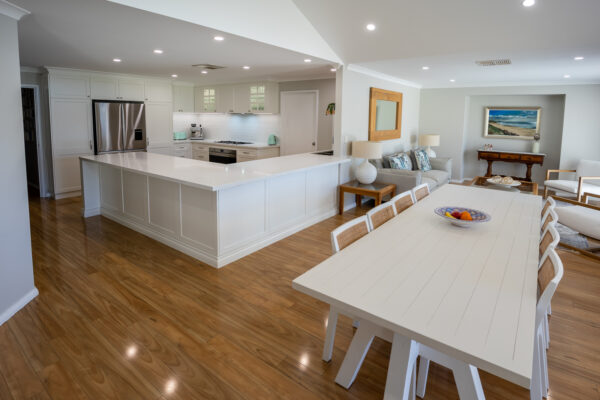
204 71
333 70
567 76
158 51
246 67
307 60
174 76
219 38
425 68
371 27
528 3
452 80
578 58
117 60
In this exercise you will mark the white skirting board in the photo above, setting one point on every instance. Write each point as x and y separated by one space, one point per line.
22 302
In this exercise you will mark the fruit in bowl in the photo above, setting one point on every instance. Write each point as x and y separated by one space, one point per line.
461 216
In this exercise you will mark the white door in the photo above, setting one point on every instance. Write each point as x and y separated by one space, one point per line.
299 121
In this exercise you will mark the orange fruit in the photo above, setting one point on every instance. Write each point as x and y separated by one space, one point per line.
466 216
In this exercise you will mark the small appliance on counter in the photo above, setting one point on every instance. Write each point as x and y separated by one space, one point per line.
197 132
273 140
179 136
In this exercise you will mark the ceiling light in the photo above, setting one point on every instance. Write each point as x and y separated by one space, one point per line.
452 80
566 76
307 60
204 72
578 58
116 60
333 70
158 51
371 27
174 76
246 67
425 68
528 3
219 38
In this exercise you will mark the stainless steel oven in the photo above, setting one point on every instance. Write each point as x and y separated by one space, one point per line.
223 156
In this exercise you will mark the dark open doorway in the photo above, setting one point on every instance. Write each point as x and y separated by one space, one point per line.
31 143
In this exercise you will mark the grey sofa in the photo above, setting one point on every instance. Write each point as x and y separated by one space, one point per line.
404 180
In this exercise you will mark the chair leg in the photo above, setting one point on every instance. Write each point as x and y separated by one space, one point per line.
546 332
422 379
330 335
535 390
401 368
545 192
544 370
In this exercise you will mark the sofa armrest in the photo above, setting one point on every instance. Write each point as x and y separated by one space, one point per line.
442 164
404 180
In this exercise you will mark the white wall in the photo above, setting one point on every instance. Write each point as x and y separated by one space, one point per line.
326 88
445 112
250 128
551 127
16 267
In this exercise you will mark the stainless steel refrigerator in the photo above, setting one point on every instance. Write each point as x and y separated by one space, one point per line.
119 126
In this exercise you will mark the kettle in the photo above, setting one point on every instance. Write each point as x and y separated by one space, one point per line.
273 139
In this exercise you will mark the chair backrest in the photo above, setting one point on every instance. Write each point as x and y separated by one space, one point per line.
421 191
402 201
589 168
550 273
550 203
550 239
381 214
350 232
550 218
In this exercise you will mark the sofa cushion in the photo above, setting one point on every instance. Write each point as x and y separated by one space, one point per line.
440 177
421 160
571 186
386 159
400 161
430 181
581 219
378 163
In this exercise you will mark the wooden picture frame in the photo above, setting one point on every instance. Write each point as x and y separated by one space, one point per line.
525 122
385 95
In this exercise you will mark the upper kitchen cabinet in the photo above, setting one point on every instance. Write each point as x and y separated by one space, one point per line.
104 87
256 98
69 86
159 92
183 98
225 98
206 98
159 124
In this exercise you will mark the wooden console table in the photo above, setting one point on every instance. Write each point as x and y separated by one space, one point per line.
528 159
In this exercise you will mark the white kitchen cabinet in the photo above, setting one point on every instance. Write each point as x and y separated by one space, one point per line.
67 176
131 89
106 87
183 98
159 91
241 98
159 124
256 98
206 99
182 150
71 121
69 86
272 98
225 99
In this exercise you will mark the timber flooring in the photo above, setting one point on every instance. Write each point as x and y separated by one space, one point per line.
120 316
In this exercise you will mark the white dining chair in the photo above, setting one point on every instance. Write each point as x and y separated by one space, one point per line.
381 214
403 201
420 192
550 239
342 237
550 218
549 203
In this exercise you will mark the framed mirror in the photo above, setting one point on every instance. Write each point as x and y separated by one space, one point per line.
385 114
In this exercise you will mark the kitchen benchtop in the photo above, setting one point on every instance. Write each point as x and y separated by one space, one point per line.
213 176
253 145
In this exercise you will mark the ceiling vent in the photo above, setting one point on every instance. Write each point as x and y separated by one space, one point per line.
207 66
493 63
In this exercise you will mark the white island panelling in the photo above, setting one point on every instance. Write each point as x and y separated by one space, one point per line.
214 212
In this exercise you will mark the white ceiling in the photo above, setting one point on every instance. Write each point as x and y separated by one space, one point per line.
449 36
88 34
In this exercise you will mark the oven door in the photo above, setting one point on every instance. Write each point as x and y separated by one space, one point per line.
223 156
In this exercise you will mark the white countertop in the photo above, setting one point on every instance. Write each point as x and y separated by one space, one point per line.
213 176
253 145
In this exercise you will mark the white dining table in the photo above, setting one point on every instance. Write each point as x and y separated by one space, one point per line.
467 293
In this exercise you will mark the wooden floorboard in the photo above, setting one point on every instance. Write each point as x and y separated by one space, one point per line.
121 316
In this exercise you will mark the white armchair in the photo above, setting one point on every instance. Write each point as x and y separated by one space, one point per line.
588 180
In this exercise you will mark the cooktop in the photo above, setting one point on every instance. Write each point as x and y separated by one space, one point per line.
232 142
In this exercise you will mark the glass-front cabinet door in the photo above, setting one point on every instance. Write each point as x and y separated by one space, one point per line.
257 98
209 99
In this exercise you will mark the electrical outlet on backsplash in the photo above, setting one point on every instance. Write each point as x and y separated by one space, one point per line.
243 127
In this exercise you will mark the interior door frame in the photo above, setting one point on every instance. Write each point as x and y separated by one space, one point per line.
39 138
316 127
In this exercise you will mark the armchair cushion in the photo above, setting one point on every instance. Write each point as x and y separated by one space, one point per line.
571 186
589 168
583 220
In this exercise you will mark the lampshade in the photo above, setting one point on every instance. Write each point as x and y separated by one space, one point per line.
429 140
366 149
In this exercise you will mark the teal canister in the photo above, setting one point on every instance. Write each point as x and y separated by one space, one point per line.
272 140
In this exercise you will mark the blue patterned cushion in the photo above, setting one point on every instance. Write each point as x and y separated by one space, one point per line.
422 160
400 161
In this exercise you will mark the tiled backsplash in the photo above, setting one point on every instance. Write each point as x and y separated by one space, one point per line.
251 128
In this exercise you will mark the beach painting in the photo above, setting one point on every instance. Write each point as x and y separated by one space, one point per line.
512 122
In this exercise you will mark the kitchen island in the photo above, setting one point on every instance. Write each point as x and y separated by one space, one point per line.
216 213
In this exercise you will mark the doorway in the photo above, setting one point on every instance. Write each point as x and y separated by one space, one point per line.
31 128
299 121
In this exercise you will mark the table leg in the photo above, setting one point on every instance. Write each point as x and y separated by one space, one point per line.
378 198
528 173
330 335
489 168
400 376
341 201
356 353
358 199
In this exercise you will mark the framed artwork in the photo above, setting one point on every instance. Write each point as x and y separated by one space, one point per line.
512 122
385 114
